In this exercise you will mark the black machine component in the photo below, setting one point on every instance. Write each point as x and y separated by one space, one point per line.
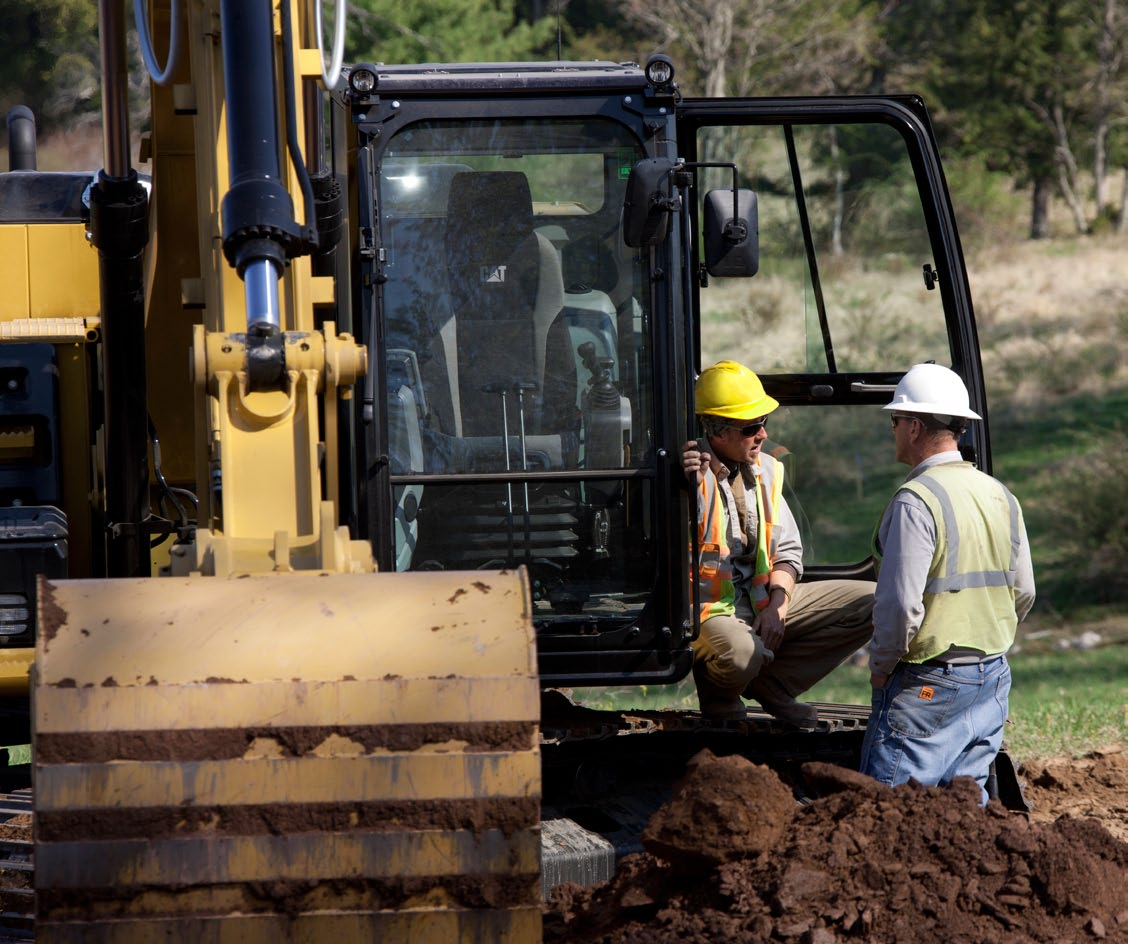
29 426
33 531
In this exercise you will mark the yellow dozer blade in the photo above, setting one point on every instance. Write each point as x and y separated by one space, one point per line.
313 758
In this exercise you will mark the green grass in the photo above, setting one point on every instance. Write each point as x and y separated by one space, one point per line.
19 754
1068 702
1062 701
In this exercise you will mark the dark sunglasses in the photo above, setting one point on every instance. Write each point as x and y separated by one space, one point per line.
749 429
900 416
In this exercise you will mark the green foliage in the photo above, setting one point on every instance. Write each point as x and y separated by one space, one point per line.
1071 487
989 209
395 31
1024 86
51 60
1097 513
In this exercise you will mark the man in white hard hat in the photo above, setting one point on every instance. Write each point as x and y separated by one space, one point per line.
764 635
954 580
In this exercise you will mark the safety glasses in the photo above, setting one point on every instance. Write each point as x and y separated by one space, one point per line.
749 429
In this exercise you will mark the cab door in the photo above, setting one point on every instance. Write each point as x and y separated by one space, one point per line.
860 276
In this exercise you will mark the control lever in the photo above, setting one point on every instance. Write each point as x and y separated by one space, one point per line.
521 386
502 388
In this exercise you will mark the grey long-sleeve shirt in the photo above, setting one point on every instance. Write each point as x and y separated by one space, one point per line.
907 533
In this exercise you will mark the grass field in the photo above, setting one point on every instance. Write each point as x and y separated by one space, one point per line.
1063 701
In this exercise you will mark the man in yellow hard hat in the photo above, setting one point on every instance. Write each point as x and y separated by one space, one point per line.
764 634
954 580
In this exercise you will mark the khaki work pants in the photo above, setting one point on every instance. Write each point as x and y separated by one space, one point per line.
827 622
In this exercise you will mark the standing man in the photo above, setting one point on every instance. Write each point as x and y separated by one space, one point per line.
764 635
954 580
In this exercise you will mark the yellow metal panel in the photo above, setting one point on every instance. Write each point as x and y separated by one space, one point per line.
324 288
15 299
518 926
277 704
63 272
312 627
206 859
14 666
400 776
267 486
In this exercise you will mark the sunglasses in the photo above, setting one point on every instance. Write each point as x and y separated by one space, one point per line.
749 429
900 416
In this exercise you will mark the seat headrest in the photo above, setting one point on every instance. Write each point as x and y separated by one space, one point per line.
589 264
490 209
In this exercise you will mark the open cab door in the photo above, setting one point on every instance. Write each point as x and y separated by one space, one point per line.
860 276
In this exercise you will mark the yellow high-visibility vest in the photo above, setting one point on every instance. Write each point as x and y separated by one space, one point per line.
969 594
716 590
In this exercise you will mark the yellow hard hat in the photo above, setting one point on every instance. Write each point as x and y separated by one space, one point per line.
732 390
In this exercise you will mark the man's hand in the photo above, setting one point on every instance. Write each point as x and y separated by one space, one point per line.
878 679
695 462
770 622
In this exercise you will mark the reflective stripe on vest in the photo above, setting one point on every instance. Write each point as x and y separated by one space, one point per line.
768 510
969 594
715 588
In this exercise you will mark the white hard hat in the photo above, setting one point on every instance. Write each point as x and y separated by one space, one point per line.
931 388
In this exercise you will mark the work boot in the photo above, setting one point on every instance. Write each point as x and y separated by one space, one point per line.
716 703
779 703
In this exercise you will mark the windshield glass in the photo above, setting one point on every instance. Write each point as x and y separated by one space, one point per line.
517 356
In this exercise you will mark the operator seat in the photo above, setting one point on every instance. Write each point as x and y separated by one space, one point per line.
506 292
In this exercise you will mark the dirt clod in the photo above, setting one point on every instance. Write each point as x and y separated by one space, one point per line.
732 859
725 808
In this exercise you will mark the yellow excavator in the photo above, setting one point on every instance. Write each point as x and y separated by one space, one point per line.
339 461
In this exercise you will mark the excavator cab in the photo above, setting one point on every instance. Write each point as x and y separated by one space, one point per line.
549 253
524 389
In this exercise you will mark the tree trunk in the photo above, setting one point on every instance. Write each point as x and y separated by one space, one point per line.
1040 208
1122 213
839 188
1102 111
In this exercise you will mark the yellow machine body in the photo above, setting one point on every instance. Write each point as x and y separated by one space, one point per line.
41 305
266 740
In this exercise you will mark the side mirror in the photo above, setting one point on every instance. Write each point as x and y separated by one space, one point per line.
732 233
647 204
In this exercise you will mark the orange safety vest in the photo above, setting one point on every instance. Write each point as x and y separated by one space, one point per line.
716 589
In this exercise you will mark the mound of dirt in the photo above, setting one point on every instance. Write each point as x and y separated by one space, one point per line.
732 859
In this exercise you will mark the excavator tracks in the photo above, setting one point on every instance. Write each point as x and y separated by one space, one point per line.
17 885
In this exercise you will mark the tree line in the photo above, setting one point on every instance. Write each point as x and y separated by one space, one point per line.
1033 89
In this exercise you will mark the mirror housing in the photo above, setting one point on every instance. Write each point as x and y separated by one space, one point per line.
647 204
732 243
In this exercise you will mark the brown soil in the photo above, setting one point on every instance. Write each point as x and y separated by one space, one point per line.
1094 786
731 858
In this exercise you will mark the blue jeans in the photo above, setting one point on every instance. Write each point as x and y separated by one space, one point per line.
932 723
